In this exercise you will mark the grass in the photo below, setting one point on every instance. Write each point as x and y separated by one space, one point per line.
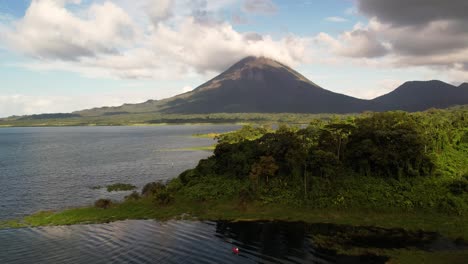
232 210
206 148
197 148
120 187
208 135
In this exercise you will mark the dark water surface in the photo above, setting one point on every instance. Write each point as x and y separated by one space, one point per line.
144 241
169 242
55 168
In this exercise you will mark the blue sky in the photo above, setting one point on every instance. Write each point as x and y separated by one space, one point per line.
66 55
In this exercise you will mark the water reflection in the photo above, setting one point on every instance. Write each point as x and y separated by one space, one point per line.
140 241
203 242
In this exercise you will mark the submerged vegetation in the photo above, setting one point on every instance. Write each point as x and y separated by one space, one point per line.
120 187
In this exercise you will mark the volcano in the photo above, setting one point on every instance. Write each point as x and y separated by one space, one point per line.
261 85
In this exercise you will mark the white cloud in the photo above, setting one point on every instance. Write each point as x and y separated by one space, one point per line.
102 40
336 19
202 46
160 10
50 31
22 104
357 43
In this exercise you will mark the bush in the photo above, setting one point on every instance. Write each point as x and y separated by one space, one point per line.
174 185
246 195
163 197
458 187
134 196
213 187
152 188
186 176
103 203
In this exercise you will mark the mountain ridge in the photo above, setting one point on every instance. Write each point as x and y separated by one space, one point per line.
263 85
421 95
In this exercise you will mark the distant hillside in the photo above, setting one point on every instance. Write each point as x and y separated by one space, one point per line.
146 107
48 116
422 95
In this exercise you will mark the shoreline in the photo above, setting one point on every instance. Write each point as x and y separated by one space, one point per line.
414 224
453 226
127 125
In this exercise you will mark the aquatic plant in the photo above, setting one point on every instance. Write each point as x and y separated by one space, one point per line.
120 187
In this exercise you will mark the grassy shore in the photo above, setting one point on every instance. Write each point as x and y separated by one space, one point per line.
232 210
207 135
196 148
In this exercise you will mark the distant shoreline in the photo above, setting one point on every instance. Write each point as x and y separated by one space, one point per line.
127 125
157 119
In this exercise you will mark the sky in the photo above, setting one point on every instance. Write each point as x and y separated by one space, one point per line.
67 55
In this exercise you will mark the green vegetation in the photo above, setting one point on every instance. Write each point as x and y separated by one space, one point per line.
205 148
208 135
103 203
237 210
120 187
391 161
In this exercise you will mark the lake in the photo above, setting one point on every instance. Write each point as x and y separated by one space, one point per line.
169 242
57 167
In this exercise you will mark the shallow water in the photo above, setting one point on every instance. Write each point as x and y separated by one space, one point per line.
55 168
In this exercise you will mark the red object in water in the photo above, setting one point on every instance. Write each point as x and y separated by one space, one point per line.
235 250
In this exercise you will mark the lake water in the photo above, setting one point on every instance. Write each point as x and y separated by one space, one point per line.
56 168
168 242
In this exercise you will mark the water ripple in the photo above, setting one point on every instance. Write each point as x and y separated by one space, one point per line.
133 242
